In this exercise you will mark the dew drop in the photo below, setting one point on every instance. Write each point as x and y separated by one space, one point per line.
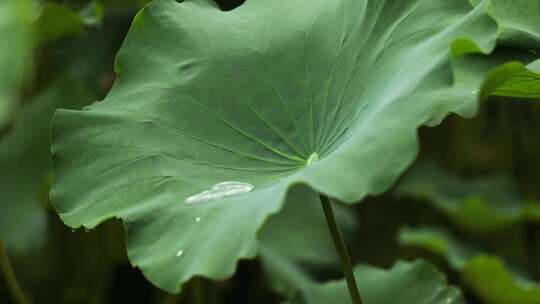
179 253
220 190
474 92
198 219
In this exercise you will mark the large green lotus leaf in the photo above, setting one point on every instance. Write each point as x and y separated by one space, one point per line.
269 95
406 282
494 199
15 52
487 275
295 244
25 166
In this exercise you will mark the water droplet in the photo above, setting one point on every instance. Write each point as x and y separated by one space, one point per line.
220 190
180 253
474 92
198 219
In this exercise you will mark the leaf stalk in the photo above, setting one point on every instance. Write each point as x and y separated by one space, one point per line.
341 249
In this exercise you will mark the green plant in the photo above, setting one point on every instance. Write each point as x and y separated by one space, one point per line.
15 53
219 121
487 275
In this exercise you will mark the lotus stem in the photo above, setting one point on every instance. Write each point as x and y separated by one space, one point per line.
11 279
341 249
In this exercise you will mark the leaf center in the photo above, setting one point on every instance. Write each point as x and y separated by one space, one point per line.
312 158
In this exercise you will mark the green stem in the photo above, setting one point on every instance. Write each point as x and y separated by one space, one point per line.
341 249
11 279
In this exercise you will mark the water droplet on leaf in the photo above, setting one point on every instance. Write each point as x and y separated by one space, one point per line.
198 219
179 253
220 190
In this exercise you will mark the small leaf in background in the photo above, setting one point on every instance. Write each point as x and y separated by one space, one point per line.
513 80
406 282
23 25
489 277
15 53
493 199
486 275
25 166
56 21
92 14
440 243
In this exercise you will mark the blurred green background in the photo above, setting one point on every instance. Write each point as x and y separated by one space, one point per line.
470 203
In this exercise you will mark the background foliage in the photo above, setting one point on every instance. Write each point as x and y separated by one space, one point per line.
470 204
